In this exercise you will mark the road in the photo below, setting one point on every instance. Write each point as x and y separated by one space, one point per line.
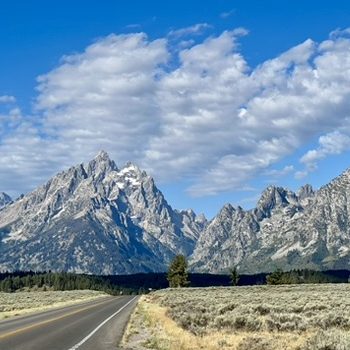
94 325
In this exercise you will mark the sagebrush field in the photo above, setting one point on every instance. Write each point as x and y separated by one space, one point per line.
13 304
303 317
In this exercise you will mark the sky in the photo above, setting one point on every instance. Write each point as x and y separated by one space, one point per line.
215 99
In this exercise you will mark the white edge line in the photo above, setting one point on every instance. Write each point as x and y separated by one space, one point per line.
76 346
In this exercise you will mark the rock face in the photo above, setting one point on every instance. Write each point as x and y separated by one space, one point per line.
306 229
5 200
96 218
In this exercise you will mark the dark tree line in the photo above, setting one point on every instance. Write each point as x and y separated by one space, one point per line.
143 282
59 281
307 276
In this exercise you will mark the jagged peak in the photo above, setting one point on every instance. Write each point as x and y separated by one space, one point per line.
306 187
131 166
188 212
228 206
132 169
191 213
273 193
5 196
274 188
272 197
102 156
201 217
305 191
239 208
101 162
227 209
5 199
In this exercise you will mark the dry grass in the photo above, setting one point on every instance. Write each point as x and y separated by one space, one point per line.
301 317
15 304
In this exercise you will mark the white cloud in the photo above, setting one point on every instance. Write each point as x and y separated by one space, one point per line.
227 14
106 96
196 29
211 119
329 144
335 34
300 175
27 157
280 172
7 99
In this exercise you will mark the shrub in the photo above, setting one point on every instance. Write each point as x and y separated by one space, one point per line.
328 340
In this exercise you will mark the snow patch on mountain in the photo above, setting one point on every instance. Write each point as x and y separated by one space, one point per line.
95 218
98 218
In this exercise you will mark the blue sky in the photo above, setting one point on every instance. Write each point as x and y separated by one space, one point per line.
216 99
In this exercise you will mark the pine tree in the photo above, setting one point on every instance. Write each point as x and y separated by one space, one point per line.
234 276
177 274
275 277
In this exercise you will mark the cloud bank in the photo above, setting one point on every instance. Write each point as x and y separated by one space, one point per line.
209 118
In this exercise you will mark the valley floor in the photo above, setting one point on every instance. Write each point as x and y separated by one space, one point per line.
288 317
20 303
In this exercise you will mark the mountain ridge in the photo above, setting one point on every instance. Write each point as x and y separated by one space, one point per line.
307 229
98 218
95 218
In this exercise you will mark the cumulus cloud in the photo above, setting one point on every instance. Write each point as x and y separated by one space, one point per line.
106 96
329 144
209 119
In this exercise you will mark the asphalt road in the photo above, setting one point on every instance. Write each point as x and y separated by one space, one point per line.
95 325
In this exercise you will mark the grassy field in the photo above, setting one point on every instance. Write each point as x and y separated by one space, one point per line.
291 317
14 304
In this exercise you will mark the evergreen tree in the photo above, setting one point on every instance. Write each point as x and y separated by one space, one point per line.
275 277
234 276
177 274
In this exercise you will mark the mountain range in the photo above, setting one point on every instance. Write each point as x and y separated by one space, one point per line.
101 219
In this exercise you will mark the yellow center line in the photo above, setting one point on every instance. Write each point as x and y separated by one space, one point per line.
35 325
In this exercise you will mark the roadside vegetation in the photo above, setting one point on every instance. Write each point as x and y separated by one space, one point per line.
291 317
59 282
15 304
142 283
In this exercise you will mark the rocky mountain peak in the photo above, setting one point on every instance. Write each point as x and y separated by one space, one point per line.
201 218
100 165
102 156
305 191
130 177
273 195
272 198
95 218
310 229
98 218
189 212
5 199
132 169
226 211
